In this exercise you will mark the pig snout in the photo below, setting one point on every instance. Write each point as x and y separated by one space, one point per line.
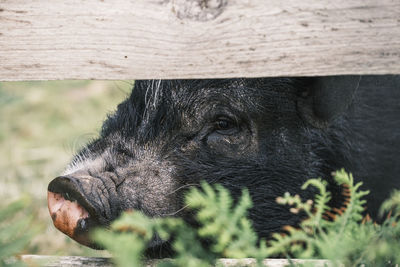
71 210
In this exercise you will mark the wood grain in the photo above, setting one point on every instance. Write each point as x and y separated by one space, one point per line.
74 261
141 39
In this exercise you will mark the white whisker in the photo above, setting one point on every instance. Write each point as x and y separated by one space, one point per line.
182 187
176 212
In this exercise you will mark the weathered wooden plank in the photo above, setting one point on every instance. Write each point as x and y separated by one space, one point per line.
74 261
66 261
137 39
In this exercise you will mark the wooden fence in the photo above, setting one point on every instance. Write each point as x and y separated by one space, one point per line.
138 39
73 261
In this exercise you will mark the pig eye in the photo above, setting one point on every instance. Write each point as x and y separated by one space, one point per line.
225 125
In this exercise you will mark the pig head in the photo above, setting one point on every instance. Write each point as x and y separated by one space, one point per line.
268 135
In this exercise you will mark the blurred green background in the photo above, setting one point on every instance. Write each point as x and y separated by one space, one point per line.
42 125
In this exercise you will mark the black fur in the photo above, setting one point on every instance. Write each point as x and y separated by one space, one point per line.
168 135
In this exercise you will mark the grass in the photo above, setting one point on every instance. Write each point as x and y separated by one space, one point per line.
42 124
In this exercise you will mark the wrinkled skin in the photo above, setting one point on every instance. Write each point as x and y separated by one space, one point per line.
268 135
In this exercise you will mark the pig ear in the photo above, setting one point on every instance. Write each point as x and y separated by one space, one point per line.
326 98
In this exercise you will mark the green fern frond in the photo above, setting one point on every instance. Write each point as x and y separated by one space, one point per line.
320 238
321 203
340 238
354 204
392 204
226 226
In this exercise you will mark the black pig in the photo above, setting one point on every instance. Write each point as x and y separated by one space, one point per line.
267 134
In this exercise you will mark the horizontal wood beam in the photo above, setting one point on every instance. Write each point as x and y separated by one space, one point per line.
73 261
143 39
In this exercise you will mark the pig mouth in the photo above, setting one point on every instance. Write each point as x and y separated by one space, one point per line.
75 215
71 213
